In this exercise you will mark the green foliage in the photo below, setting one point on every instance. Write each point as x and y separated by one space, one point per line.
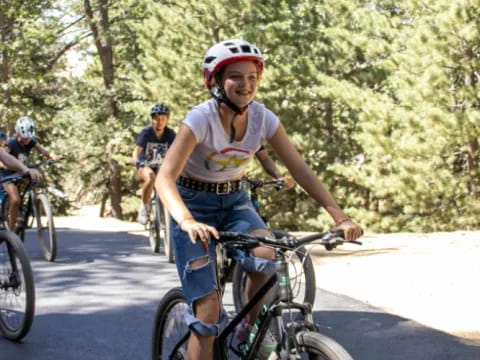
380 98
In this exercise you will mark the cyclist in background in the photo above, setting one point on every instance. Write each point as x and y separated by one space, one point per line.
3 142
20 147
271 169
200 184
151 146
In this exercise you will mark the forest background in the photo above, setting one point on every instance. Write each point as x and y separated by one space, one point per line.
382 98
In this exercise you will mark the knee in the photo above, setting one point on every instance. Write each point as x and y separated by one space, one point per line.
209 318
150 178
263 252
207 308
15 201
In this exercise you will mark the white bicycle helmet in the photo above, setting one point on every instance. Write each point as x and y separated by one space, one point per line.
226 52
25 127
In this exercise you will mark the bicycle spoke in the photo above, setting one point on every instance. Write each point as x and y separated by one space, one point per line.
13 297
174 330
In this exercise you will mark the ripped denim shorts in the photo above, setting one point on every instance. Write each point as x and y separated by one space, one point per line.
225 212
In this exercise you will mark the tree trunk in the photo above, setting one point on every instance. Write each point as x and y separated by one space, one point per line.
103 42
5 34
330 128
114 189
473 169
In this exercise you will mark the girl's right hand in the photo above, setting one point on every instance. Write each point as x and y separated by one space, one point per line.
198 231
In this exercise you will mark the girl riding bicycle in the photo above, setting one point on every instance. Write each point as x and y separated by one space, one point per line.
200 183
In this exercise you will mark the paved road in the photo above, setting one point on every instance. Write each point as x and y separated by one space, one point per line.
97 301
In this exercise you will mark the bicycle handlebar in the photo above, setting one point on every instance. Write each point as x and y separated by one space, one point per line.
14 177
41 163
18 176
330 239
152 164
257 183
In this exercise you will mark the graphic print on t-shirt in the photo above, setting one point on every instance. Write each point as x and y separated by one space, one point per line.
22 157
155 152
228 158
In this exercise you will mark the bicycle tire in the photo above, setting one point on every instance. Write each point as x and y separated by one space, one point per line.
302 279
4 210
169 326
45 227
17 300
320 347
154 225
165 234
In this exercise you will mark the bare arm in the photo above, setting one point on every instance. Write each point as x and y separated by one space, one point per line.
46 153
136 154
271 169
268 164
14 164
172 166
308 180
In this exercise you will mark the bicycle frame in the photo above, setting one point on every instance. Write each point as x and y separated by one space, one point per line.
220 345
274 310
27 207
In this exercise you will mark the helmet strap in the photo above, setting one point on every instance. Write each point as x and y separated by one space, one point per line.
219 94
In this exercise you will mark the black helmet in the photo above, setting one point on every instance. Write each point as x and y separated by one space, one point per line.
159 109
3 135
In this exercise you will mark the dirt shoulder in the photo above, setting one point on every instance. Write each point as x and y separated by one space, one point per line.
430 278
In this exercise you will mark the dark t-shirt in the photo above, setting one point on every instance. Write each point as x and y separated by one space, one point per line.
154 148
19 151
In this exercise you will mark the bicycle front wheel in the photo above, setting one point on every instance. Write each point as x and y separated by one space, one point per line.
165 233
313 345
45 227
17 290
170 327
302 280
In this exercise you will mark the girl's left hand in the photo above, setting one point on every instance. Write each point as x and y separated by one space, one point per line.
351 230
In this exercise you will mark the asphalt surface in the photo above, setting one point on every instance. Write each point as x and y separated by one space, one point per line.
98 300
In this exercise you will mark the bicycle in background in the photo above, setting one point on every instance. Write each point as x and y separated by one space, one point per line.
17 289
301 269
34 204
297 338
159 220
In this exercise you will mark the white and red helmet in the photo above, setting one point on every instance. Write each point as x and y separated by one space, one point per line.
227 52
25 127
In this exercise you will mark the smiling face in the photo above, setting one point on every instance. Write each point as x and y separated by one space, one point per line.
240 81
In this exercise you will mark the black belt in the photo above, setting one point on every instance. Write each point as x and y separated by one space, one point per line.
218 188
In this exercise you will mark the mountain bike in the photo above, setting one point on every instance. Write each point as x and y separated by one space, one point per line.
17 289
300 264
34 203
297 337
159 220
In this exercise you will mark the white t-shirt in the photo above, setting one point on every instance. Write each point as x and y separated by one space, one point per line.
215 159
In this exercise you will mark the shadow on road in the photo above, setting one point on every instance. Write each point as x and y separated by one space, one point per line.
98 301
376 335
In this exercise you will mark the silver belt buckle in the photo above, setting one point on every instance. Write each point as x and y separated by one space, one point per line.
229 189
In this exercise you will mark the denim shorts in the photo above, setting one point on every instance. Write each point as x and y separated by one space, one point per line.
225 212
